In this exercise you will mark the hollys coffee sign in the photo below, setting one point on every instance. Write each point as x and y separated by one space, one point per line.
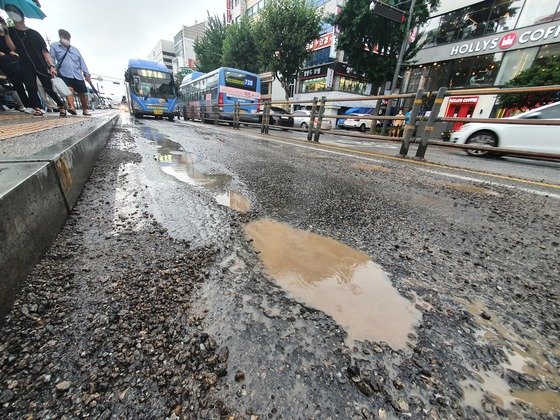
531 36
508 40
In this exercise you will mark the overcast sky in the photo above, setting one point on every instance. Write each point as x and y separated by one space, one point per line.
110 32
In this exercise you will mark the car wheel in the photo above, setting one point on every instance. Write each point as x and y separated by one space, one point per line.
362 128
304 126
484 138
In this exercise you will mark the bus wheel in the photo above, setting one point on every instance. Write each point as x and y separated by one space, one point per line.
171 118
137 115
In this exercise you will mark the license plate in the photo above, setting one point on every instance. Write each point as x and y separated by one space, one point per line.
158 112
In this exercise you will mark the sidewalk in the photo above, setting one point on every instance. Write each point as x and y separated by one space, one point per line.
23 135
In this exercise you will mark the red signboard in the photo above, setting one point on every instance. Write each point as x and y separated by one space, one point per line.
464 100
322 42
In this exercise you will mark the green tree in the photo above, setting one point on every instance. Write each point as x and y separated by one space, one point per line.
208 49
240 47
545 73
284 28
372 43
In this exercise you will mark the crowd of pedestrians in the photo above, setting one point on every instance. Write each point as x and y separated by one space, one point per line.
29 65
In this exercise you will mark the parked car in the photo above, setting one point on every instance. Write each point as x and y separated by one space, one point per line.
301 120
356 123
533 138
284 119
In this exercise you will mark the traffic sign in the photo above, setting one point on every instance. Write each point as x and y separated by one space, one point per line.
387 12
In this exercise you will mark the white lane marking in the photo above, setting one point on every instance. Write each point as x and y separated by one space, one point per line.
497 184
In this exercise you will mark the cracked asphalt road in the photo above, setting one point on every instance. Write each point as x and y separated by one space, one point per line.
159 300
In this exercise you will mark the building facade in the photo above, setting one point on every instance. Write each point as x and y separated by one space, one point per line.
163 53
325 72
184 46
482 44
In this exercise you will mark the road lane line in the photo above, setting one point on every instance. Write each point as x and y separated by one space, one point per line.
497 184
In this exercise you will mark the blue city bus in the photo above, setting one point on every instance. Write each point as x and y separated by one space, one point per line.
150 89
224 86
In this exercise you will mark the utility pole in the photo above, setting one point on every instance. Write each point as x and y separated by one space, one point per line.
404 46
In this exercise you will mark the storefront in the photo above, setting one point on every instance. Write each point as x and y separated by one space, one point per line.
485 44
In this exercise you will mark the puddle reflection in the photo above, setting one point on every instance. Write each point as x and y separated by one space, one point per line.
336 279
234 201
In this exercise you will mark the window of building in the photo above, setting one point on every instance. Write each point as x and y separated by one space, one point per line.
548 51
438 75
503 15
515 62
417 79
352 85
475 71
313 85
319 57
537 11
428 32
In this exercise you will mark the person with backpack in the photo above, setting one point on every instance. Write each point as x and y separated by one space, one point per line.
34 60
72 69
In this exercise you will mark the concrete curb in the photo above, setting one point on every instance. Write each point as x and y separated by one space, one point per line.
36 196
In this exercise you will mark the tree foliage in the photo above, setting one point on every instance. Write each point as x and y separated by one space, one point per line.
208 49
545 73
240 49
371 42
285 27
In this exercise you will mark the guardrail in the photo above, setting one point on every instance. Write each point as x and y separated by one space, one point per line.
404 130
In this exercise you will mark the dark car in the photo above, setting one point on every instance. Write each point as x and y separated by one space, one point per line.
279 117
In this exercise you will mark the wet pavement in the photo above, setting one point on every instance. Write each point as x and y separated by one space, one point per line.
327 286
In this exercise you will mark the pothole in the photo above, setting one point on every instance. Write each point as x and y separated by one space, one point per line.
334 278
525 356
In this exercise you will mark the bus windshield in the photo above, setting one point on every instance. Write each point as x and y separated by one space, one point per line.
152 84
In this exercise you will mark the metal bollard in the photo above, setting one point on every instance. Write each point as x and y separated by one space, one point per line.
373 127
320 119
421 151
216 115
236 124
409 127
312 120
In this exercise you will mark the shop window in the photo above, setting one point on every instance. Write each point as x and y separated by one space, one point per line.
475 71
417 79
515 62
352 85
537 11
313 85
547 51
428 32
438 75
503 16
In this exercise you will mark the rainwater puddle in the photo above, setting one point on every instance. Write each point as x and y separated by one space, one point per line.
234 201
336 279
184 166
525 356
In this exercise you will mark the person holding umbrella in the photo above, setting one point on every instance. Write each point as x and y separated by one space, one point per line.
35 60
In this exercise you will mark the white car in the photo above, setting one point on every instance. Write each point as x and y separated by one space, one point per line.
532 138
356 122
301 120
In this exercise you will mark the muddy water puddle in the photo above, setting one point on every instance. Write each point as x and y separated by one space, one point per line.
472 189
524 356
340 281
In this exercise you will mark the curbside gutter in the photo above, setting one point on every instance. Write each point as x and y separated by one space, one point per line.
36 195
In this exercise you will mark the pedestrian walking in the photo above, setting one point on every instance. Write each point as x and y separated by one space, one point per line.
9 64
71 68
35 61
